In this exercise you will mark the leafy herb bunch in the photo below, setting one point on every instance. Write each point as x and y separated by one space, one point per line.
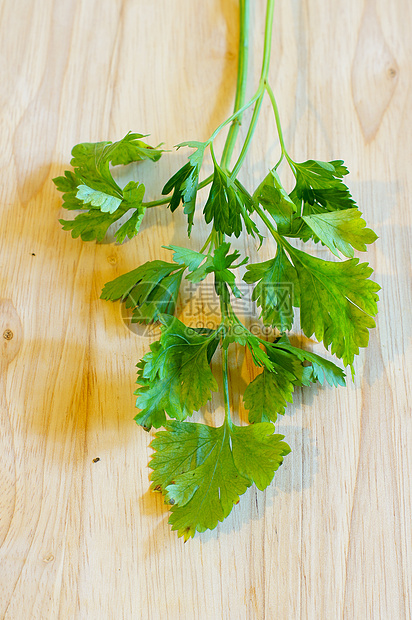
202 470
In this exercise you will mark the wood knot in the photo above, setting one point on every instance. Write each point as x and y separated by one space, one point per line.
10 327
374 73
8 334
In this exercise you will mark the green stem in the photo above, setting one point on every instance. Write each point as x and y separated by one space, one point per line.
249 136
277 237
242 67
270 7
262 86
239 108
279 127
166 199
209 241
156 203
224 310
269 224
228 418
235 115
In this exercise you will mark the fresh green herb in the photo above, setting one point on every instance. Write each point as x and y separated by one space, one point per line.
175 377
92 189
202 470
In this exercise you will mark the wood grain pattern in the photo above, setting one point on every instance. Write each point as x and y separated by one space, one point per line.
85 539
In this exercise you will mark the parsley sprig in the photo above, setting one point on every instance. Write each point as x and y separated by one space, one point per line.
202 470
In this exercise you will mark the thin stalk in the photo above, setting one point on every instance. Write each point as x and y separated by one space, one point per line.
224 311
279 127
166 199
209 241
228 418
277 237
242 69
239 108
268 223
270 7
249 136
235 115
279 161
156 203
262 86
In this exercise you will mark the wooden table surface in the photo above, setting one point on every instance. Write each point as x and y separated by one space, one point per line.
331 537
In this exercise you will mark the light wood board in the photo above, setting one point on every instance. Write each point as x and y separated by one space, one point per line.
331 537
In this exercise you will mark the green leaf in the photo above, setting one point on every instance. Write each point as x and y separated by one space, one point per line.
133 195
68 185
91 160
196 158
90 163
174 184
152 409
258 452
147 275
267 395
150 290
222 266
132 149
202 471
319 185
286 364
341 230
275 200
236 332
337 302
105 202
161 300
223 206
277 290
92 185
175 377
278 204
92 225
259 356
184 256
184 183
228 205
201 272
320 368
246 206
203 489
132 226
95 157
319 190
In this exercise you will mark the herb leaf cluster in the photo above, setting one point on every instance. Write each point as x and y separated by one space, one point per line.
202 470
